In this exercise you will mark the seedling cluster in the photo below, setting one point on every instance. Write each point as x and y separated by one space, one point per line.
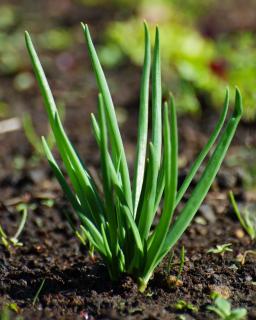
118 221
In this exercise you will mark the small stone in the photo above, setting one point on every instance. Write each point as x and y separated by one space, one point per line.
233 267
239 233
208 213
248 278
200 220
37 175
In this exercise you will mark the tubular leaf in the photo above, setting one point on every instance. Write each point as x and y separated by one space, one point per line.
205 150
62 140
115 136
206 180
157 101
147 211
143 125
171 178
55 168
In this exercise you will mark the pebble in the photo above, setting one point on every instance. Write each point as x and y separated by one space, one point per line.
248 278
208 213
37 175
239 233
233 267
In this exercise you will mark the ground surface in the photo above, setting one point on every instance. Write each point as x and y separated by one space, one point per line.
75 286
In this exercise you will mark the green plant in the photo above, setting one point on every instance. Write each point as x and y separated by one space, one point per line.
221 249
4 314
38 292
118 221
182 305
14 241
181 262
172 280
246 219
7 312
222 308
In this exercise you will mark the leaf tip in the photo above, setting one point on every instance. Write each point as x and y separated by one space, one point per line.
43 141
171 100
238 104
145 25
27 37
227 91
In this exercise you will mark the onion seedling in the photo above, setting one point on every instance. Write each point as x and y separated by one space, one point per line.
14 241
246 218
118 221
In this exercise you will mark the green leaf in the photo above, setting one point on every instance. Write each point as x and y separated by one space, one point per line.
113 171
115 136
244 221
79 175
200 191
171 179
197 163
59 175
143 126
147 212
91 197
157 101
93 235
107 181
224 305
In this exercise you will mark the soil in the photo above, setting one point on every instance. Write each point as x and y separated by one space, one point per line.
76 286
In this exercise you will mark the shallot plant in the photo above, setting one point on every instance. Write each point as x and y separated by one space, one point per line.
118 218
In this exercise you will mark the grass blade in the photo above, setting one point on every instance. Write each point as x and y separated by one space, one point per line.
147 212
206 180
107 181
204 151
91 196
104 152
62 140
157 101
111 167
115 136
143 125
245 221
42 81
38 292
171 179
60 177
94 235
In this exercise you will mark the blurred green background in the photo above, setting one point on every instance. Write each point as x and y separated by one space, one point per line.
205 45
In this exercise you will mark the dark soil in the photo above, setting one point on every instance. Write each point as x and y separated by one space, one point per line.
75 286
78 288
